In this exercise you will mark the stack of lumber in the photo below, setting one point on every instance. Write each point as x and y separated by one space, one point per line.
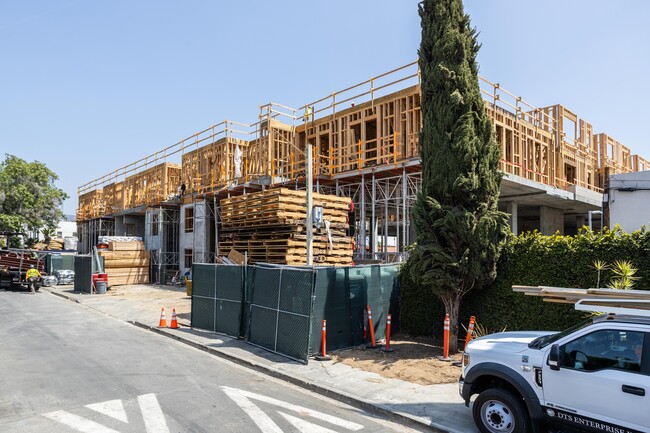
270 226
126 263
19 261
55 244
572 295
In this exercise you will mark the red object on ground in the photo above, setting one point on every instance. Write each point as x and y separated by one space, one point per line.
445 345
372 328
470 331
388 333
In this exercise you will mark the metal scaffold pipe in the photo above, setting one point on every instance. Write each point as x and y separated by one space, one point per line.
310 204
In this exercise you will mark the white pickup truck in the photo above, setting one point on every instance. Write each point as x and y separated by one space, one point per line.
593 377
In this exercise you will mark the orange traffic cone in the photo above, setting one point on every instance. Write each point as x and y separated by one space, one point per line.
174 324
163 320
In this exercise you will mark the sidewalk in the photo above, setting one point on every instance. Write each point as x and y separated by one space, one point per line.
438 407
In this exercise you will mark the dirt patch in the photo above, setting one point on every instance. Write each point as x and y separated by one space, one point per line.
414 360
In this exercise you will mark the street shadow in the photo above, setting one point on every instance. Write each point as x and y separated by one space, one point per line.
226 344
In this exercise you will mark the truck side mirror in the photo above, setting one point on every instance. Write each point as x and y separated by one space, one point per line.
554 357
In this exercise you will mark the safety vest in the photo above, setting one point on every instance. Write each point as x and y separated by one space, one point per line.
32 272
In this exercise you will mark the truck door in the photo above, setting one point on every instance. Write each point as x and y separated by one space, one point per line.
603 382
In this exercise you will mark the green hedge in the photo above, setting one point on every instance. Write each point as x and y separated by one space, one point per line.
531 260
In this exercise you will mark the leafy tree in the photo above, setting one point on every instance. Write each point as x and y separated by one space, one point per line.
459 230
29 200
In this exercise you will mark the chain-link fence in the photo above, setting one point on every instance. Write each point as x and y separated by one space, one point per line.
217 298
281 308
342 295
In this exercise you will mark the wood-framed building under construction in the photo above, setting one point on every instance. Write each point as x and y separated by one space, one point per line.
365 142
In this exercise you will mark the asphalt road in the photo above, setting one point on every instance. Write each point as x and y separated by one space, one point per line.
66 368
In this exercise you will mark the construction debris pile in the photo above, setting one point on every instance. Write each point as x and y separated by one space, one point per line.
270 225
126 263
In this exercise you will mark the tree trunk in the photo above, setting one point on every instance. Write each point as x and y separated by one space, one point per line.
451 302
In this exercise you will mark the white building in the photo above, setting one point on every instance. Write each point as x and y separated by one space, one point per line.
628 199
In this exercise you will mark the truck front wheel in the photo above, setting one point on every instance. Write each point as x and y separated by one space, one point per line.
496 410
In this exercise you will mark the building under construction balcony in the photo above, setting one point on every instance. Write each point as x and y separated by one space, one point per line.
365 147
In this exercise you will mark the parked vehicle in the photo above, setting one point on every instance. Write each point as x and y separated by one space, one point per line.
593 377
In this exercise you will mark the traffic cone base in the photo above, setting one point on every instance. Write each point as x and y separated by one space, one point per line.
322 358
387 348
174 324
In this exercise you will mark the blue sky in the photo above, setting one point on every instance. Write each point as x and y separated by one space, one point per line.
90 86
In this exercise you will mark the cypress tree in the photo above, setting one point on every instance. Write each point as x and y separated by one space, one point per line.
459 229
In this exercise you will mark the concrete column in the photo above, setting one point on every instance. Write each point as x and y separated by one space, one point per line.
512 208
581 221
551 220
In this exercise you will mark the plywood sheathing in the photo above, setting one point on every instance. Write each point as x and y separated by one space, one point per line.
113 198
91 205
152 186
212 165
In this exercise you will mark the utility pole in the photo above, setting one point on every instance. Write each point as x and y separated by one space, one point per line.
310 206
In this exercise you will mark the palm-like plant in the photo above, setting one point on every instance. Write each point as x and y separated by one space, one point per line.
48 233
600 266
624 275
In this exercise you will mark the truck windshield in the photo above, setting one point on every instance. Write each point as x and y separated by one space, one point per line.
541 342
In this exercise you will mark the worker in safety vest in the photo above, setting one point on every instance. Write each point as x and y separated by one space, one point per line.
32 277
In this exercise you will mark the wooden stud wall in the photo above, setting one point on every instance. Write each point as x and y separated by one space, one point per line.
550 145
639 163
526 148
273 152
212 165
614 157
113 197
575 160
380 132
152 186
91 205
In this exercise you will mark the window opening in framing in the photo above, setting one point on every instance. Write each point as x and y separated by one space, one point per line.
154 224
189 220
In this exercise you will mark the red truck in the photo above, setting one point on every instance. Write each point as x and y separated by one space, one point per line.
14 264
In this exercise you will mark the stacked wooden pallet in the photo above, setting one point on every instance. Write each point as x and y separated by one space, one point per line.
126 263
572 295
270 227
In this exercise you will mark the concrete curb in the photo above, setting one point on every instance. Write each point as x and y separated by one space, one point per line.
60 295
343 397
309 385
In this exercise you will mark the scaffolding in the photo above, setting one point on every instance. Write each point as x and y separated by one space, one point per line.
90 230
162 241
